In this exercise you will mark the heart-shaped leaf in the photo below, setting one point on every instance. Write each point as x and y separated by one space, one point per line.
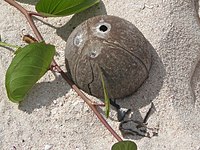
53 8
124 145
26 68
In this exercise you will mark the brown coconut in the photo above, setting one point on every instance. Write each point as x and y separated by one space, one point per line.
110 46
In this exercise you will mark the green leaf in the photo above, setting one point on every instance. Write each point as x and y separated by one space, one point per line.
26 68
124 145
18 50
56 8
106 98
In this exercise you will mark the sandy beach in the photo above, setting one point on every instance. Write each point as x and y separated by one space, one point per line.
54 117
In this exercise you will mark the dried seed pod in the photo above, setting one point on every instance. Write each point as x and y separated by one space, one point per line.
110 45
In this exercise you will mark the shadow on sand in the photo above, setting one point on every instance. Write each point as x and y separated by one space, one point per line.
43 94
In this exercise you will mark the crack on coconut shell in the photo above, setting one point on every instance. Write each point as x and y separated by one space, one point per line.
89 84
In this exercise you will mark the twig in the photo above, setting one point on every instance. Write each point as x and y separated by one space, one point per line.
150 111
28 16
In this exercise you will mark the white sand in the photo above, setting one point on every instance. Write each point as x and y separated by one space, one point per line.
53 116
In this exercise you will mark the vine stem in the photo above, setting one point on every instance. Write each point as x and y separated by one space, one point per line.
8 45
28 15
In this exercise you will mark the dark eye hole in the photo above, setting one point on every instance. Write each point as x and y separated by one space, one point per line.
103 28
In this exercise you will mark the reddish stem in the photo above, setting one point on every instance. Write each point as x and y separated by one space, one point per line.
28 16
31 13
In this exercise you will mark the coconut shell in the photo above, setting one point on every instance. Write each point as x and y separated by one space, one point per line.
110 46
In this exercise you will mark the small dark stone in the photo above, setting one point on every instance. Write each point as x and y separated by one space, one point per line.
111 46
